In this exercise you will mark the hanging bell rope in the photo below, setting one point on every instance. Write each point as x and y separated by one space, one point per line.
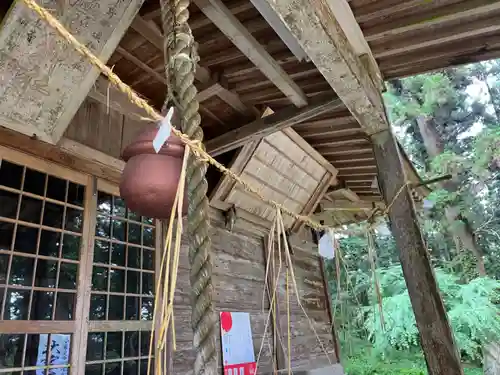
180 65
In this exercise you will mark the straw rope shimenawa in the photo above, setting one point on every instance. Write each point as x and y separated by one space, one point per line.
195 145
180 64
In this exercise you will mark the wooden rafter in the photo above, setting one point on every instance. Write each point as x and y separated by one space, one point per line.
421 21
222 17
263 127
154 35
321 36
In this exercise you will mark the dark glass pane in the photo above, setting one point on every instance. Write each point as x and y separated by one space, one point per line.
31 210
93 369
95 346
114 345
118 254
53 215
101 251
21 271
147 220
74 220
102 228
6 235
76 194
11 174
133 282
60 350
16 304
49 243
36 350
147 308
148 284
132 308
34 182
56 189
42 305
46 271
71 247
116 308
97 307
134 216
104 202
11 354
26 239
113 368
67 276
131 347
131 367
144 367
134 257
117 282
134 233
145 341
65 306
9 200
119 207
4 264
100 279
148 237
147 260
119 230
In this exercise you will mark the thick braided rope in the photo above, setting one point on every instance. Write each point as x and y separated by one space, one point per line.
180 64
195 145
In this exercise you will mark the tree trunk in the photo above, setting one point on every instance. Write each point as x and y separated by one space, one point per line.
459 227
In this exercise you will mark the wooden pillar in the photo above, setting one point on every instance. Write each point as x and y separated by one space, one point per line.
436 338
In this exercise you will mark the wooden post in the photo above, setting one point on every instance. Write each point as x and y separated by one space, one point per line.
329 308
436 338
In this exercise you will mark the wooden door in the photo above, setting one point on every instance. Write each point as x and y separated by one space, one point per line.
76 273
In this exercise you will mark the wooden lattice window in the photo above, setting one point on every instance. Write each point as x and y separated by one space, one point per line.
122 289
77 273
42 215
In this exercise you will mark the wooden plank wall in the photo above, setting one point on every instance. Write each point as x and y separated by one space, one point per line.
104 129
239 273
238 261
309 349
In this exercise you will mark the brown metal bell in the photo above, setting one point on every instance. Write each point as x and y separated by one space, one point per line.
149 181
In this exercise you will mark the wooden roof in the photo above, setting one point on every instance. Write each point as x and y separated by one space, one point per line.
245 67
406 37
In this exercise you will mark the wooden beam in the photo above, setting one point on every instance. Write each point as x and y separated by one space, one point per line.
436 337
222 17
261 128
43 85
321 36
154 35
344 15
159 77
432 17
433 36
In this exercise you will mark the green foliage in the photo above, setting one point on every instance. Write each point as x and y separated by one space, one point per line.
362 361
471 309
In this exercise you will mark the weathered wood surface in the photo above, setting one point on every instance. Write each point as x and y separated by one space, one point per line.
320 35
43 80
239 280
103 128
436 338
280 170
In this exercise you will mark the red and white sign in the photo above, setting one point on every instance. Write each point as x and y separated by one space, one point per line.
237 345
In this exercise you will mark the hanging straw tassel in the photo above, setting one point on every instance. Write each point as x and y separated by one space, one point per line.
167 280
